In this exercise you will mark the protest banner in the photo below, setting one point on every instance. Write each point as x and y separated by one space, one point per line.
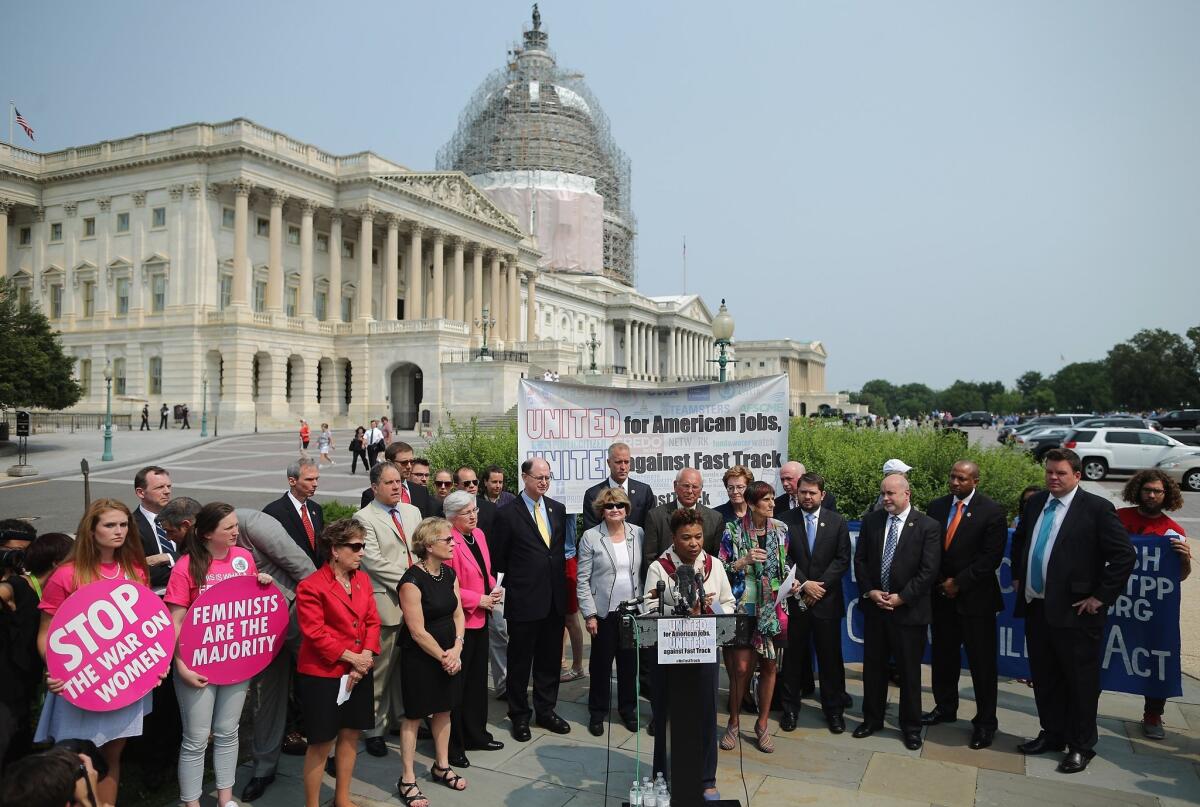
1141 644
709 427
110 642
233 630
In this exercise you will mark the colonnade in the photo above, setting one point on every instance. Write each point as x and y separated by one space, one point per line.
686 350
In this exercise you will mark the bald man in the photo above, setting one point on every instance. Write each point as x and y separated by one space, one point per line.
789 477
689 488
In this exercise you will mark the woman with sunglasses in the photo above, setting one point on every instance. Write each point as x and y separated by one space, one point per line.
340 628
609 557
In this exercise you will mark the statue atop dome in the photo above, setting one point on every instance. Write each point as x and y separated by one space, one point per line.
537 18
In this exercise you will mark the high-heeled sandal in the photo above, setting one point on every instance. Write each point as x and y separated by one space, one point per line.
765 744
447 777
410 792
730 740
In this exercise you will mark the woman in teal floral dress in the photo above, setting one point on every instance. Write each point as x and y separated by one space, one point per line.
754 551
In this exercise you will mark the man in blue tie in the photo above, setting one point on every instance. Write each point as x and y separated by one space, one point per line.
1071 558
820 551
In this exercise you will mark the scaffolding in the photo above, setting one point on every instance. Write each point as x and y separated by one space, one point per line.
532 115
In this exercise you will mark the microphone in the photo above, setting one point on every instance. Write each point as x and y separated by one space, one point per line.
685 579
660 588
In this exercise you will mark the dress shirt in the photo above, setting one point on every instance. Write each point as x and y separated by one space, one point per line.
540 504
612 483
1060 512
954 504
152 518
887 525
372 437
299 505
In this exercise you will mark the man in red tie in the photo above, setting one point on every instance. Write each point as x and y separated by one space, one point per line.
296 510
966 599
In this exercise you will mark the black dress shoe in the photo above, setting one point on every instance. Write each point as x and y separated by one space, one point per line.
377 746
937 715
459 760
865 730
787 722
981 738
520 732
1041 745
837 724
912 740
490 745
596 728
1075 762
554 723
630 723
256 787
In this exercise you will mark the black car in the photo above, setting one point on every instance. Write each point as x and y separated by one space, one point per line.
973 419
1180 419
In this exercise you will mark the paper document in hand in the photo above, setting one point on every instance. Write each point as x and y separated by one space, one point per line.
786 588
344 690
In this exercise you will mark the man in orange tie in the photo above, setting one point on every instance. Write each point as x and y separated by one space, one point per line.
966 600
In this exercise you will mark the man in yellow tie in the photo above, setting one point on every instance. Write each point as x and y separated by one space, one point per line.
529 546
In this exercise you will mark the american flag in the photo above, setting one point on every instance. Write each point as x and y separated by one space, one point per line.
24 124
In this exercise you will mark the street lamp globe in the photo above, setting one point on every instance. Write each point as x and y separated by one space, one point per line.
108 375
722 324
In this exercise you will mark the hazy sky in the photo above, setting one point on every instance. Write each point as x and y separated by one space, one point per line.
936 190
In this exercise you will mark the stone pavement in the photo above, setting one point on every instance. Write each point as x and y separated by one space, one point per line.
810 765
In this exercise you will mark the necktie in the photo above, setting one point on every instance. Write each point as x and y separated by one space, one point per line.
404 497
889 552
1037 582
541 524
810 526
164 543
958 511
308 526
399 529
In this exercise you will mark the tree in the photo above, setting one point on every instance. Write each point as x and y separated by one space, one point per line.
34 371
1153 368
989 390
1041 399
1083 387
915 399
1007 403
961 396
1027 382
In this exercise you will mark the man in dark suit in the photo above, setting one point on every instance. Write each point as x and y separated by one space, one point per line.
1071 559
820 551
296 510
152 486
467 480
896 561
400 454
641 497
966 598
789 478
530 548
689 486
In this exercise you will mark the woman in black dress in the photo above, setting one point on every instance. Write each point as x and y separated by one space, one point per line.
431 642
358 450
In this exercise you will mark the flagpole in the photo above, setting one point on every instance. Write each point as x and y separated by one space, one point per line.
685 264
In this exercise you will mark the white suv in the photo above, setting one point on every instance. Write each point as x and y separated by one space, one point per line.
1113 450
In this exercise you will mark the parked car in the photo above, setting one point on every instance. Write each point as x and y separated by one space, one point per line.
972 419
1039 442
1184 469
1041 422
1118 421
1105 451
1180 419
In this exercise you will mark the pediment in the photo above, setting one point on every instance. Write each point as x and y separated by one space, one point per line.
120 263
85 266
157 257
452 189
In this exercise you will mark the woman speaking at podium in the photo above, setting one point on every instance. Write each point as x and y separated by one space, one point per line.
687 548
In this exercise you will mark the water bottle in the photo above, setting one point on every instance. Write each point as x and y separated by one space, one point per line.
660 788
635 795
649 797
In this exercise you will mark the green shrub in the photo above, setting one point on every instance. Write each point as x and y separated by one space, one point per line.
332 511
466 444
851 460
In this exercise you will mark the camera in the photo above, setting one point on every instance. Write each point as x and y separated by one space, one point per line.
89 750
11 558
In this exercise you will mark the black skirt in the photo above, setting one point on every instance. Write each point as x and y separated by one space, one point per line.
323 717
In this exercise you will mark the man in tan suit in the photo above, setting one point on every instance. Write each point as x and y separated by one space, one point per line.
389 524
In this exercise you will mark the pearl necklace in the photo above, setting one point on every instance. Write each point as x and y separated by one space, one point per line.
441 571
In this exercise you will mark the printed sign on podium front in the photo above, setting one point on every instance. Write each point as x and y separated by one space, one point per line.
687 641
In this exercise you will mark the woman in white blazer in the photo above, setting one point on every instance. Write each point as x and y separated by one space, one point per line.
609 558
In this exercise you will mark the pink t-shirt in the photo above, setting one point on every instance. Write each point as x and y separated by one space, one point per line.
182 591
62 584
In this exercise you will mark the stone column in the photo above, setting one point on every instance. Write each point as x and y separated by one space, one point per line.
654 357
640 340
275 267
531 308
240 295
628 358
333 306
670 354
365 239
307 209
455 307
5 206
181 271
439 275
494 305
476 313
414 297
514 300
500 303
391 270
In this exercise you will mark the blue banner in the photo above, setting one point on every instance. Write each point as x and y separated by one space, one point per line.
1141 644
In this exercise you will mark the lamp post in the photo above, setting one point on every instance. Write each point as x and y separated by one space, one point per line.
592 344
722 328
108 377
484 324
204 404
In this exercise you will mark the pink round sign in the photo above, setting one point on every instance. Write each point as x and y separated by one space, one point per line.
111 642
234 629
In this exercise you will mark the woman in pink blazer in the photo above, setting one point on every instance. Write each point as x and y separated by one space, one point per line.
472 563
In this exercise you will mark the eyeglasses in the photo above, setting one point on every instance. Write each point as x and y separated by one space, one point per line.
357 546
403 462
1155 491
616 506
445 540
541 478
736 488
469 513
470 483
443 484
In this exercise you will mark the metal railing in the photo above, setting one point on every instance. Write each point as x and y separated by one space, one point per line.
464 356
67 421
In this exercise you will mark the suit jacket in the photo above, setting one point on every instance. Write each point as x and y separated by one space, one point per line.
597 572
275 551
386 556
783 503
285 513
828 561
333 621
641 501
159 575
658 532
535 577
471 582
975 554
421 499
487 515
1092 557
914 566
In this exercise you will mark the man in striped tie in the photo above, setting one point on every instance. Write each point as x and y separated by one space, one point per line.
1071 559
895 561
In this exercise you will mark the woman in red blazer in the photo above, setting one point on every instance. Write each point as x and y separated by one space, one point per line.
340 628
472 564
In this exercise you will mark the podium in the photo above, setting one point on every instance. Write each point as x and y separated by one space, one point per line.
686 644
